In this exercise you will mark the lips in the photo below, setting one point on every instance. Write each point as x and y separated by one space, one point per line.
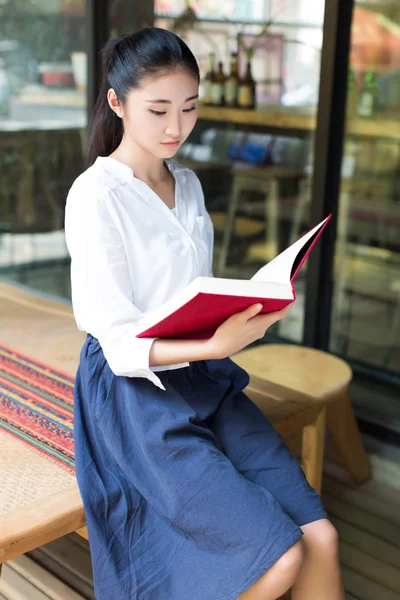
170 143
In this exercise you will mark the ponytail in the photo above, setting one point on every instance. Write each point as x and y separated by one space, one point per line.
126 60
106 128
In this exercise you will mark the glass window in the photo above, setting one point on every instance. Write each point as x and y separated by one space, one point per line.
366 316
251 147
42 122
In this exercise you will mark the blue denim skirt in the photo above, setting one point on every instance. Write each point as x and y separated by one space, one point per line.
188 492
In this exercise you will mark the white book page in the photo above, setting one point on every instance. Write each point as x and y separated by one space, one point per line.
279 269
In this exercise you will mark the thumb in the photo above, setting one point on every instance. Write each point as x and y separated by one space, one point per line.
253 310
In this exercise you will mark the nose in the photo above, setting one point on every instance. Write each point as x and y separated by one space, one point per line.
174 127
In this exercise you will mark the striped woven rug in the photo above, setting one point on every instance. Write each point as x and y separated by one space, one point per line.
36 406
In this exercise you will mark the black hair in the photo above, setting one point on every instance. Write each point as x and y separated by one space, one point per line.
126 60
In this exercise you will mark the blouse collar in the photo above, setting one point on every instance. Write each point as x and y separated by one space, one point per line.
117 168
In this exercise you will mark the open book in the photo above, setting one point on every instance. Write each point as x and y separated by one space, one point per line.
197 311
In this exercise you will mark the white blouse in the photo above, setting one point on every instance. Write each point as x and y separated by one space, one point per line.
130 253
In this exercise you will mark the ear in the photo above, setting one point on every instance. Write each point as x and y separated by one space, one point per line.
114 104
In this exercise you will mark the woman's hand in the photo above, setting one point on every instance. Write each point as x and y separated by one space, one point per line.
241 329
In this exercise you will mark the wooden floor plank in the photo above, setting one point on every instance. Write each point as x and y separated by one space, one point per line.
361 519
79 562
373 569
354 495
22 575
16 587
387 494
384 551
363 588
63 562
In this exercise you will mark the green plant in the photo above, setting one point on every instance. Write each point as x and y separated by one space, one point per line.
250 50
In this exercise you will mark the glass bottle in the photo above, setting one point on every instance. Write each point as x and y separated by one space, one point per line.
232 82
247 89
218 86
368 100
209 80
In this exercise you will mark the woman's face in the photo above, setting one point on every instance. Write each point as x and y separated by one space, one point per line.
161 110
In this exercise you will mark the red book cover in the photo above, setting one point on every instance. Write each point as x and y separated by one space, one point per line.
198 310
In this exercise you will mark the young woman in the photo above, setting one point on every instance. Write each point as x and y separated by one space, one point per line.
188 490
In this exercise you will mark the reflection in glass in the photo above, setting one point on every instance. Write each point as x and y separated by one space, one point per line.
365 326
366 320
42 117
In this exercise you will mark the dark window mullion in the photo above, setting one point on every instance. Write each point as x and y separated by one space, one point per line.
98 28
328 150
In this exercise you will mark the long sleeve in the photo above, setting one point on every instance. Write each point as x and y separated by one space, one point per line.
101 285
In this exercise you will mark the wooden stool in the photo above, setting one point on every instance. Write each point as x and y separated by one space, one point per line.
244 226
297 417
265 180
323 378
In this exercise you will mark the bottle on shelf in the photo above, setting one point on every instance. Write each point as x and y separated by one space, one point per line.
218 86
368 99
209 80
247 89
232 82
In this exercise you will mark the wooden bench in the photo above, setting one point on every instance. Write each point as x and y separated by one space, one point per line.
46 505
40 501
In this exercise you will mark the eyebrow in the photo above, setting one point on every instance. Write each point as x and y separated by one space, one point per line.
169 101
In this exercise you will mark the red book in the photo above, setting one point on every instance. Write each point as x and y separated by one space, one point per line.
199 309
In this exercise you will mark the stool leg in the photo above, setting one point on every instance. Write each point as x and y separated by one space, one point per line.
313 451
298 214
83 532
271 216
229 226
342 425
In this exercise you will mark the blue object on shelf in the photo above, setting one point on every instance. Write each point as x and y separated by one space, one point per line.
249 152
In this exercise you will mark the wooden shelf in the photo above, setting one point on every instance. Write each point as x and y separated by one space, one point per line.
275 117
298 119
384 128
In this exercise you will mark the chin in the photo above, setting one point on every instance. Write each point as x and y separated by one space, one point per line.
170 151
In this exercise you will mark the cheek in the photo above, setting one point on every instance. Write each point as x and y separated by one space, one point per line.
152 128
145 127
189 123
